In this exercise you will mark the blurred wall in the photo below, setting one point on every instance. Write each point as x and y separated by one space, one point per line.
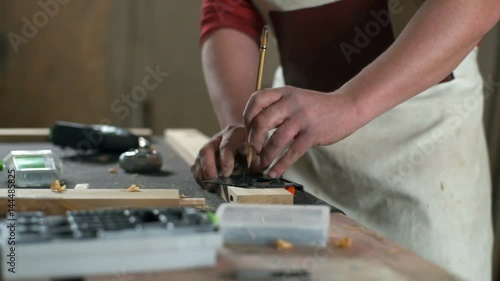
165 34
162 35
86 61
53 63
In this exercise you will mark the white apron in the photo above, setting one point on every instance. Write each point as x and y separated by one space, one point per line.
418 174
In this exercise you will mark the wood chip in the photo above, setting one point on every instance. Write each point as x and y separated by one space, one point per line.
113 170
56 186
343 243
182 195
354 228
133 188
283 245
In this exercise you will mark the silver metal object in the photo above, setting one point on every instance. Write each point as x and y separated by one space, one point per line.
144 159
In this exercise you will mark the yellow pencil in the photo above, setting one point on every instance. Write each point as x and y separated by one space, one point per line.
260 72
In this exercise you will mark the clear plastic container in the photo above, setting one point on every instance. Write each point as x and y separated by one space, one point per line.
33 168
264 224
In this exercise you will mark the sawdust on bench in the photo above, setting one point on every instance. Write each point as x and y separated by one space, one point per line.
283 245
343 243
57 187
133 188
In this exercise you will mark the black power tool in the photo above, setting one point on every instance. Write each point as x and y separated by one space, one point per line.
137 157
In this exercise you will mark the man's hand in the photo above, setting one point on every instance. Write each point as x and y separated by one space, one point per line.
305 118
220 154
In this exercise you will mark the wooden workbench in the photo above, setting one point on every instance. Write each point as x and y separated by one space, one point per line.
369 257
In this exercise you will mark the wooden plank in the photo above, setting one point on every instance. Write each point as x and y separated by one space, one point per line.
192 202
21 132
142 132
87 199
44 132
370 257
183 201
188 142
260 196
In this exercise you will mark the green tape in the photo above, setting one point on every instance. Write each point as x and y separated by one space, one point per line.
213 218
30 162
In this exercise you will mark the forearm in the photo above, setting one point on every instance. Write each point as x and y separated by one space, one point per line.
229 61
435 41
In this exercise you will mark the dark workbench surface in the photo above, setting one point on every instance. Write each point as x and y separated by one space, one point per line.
94 170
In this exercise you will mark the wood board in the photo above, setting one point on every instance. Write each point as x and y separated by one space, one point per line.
188 142
261 195
42 134
54 203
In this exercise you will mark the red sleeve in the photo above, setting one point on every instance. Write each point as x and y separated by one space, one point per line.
236 14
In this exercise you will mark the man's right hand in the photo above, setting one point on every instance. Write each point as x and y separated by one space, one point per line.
221 155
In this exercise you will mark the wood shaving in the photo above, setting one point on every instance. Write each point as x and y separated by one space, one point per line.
283 245
354 228
343 243
113 170
57 187
182 195
133 188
